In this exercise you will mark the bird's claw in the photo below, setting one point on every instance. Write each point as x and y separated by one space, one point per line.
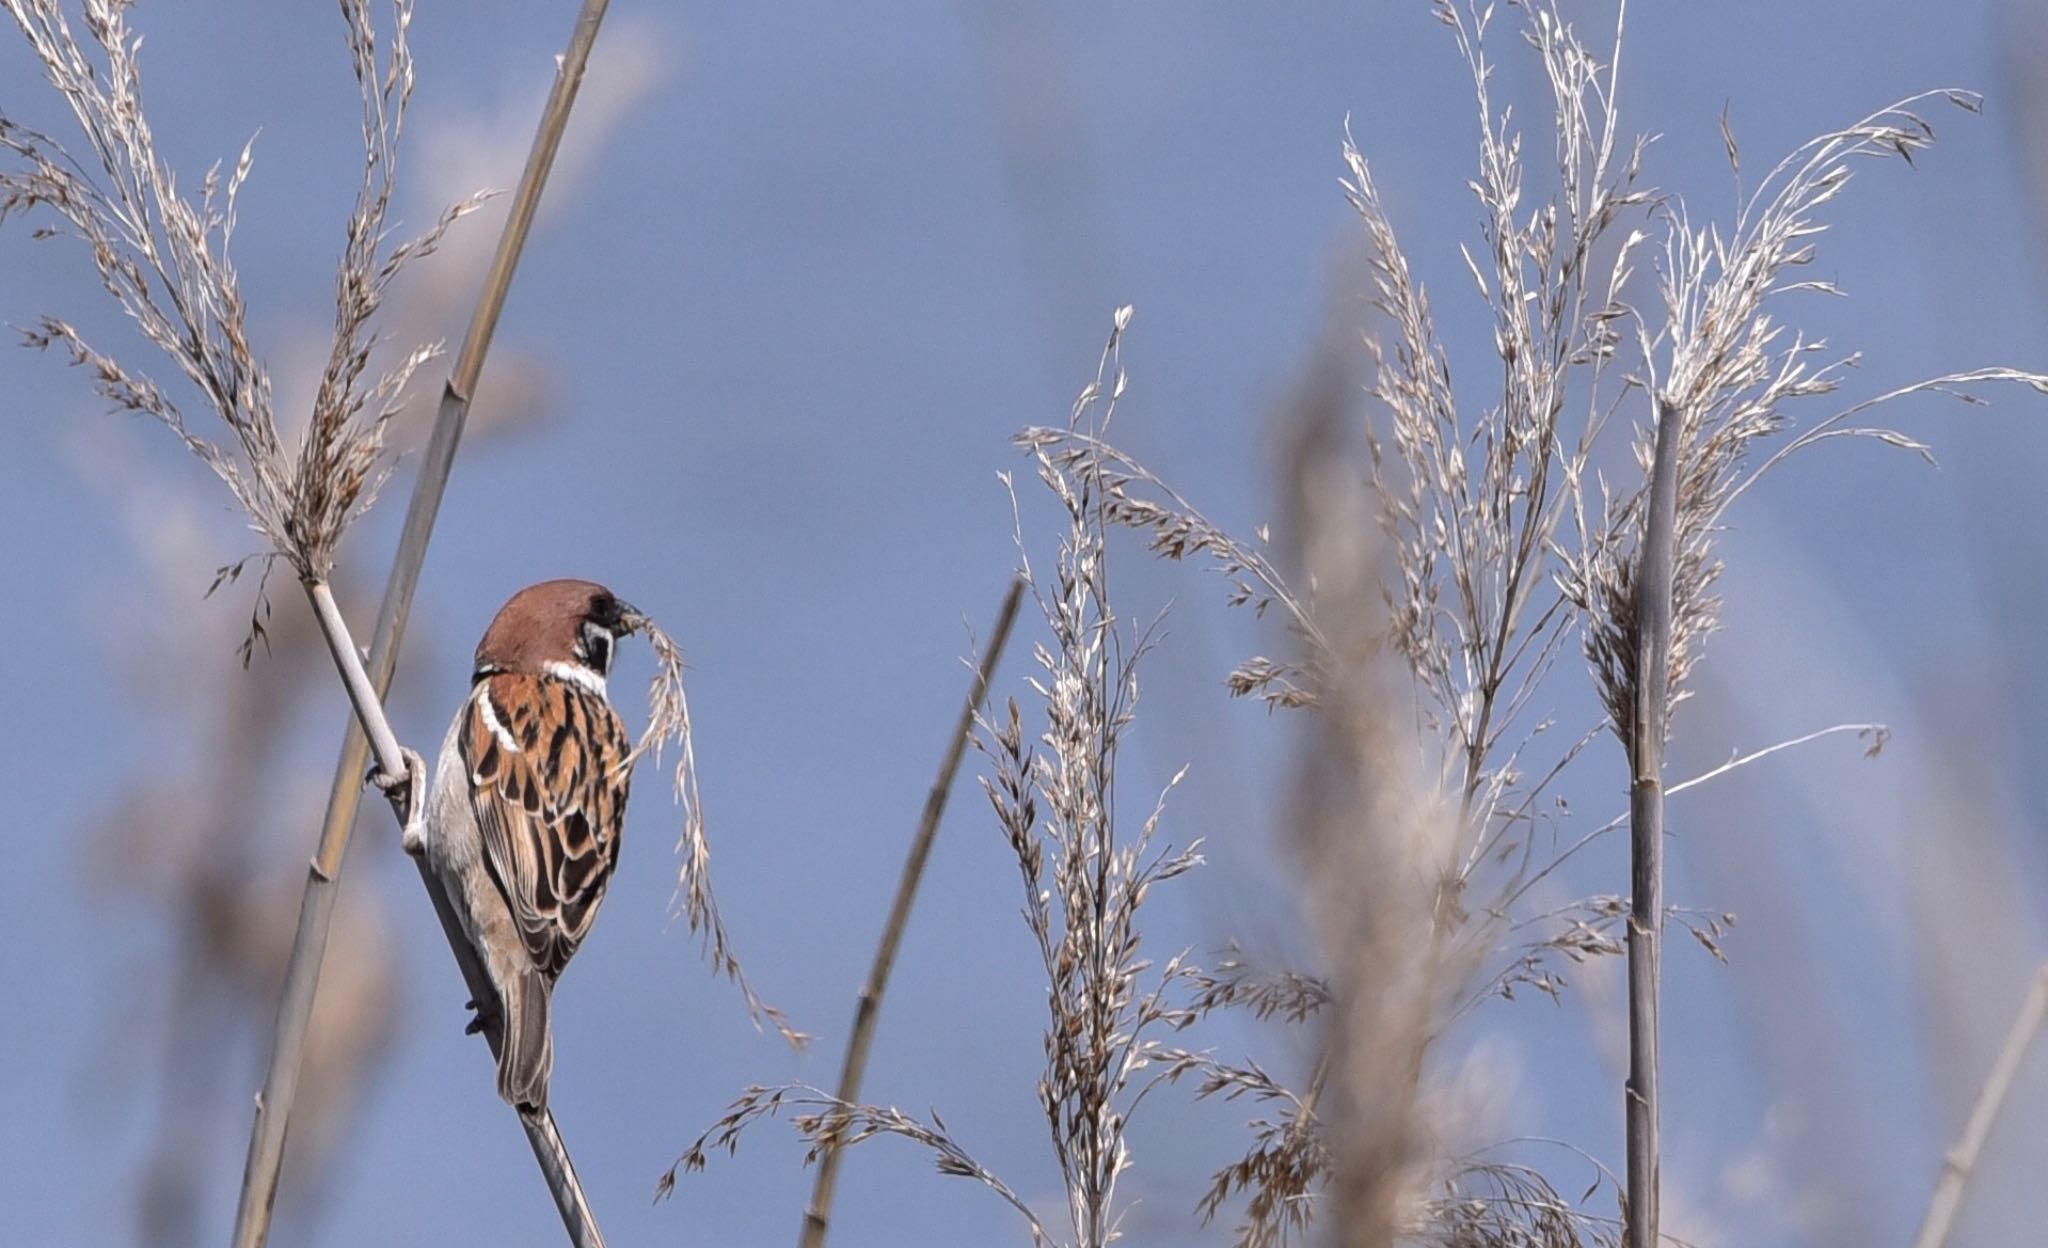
484 1018
407 794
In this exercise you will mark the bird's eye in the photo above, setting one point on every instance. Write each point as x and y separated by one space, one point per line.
597 648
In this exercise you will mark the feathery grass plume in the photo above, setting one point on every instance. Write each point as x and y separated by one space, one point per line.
1475 613
827 1122
163 256
1475 504
1085 877
1722 372
668 723
1235 983
1500 556
1281 1173
1728 370
1494 1204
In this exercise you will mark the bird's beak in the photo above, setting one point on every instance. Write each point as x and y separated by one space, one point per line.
631 618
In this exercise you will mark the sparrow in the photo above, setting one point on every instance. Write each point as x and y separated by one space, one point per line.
523 822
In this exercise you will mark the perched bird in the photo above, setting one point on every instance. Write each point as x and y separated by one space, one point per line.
529 796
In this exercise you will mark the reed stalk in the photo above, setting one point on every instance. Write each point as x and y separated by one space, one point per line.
1961 1161
1646 825
818 1214
368 685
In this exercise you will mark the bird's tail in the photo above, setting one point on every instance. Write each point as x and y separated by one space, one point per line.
528 1057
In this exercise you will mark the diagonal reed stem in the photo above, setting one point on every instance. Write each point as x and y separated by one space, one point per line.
818 1215
367 685
1646 825
1962 1159
548 1149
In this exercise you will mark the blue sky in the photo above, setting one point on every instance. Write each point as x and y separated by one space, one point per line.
805 271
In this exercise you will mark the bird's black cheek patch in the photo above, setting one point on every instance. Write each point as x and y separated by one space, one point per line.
597 648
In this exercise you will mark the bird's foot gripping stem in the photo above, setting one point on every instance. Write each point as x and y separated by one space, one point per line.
486 1017
407 795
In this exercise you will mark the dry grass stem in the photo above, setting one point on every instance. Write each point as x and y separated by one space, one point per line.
1645 738
1962 1159
545 1139
868 1008
668 724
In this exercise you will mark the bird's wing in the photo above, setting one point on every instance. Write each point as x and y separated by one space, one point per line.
548 769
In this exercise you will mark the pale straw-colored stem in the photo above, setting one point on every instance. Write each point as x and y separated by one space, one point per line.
364 696
1646 827
309 944
1961 1161
818 1215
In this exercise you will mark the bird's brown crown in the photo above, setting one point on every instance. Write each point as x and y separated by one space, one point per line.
555 622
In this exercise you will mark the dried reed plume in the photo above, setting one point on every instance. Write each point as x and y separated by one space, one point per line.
1085 879
1721 372
163 256
1499 556
1726 370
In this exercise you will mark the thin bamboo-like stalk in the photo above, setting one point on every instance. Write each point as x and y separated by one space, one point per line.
1962 1159
367 687
1646 825
817 1216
